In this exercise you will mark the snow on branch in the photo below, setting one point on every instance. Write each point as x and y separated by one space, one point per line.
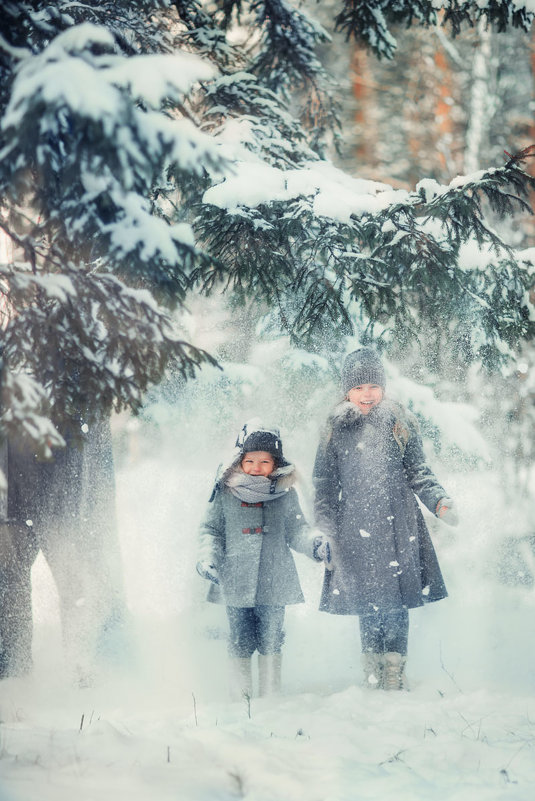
68 74
107 136
82 342
391 256
333 193
24 407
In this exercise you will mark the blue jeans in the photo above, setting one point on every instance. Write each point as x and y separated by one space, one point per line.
255 628
385 631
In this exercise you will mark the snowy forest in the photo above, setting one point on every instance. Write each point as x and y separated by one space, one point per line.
205 206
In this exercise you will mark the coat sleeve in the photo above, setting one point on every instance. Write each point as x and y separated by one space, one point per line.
299 535
420 477
327 486
212 533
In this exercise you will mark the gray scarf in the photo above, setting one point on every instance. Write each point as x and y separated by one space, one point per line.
260 489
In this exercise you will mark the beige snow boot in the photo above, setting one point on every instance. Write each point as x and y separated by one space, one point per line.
394 671
373 666
269 674
241 682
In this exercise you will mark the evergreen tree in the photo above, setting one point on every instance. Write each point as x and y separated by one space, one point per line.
144 151
371 21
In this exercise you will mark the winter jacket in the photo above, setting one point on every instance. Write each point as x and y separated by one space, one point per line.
249 544
368 469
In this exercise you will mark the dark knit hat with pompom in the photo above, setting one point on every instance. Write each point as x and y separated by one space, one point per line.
256 437
362 366
263 441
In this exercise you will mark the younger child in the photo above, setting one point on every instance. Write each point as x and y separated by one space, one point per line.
369 467
253 519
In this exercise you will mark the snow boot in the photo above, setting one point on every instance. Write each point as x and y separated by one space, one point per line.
241 682
269 674
394 671
373 666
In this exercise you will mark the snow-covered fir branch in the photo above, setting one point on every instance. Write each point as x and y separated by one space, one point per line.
166 146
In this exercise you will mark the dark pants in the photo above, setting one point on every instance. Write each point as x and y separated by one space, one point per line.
255 628
385 631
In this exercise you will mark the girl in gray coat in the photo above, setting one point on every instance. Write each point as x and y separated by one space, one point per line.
253 520
369 467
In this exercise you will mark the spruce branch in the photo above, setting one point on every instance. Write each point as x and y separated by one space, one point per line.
519 158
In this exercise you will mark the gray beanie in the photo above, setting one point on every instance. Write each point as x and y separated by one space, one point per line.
362 366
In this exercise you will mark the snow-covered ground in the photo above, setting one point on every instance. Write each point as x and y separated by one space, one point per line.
148 742
158 724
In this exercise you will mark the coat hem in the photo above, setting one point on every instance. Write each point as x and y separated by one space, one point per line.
425 602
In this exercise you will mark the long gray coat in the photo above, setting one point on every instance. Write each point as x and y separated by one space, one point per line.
368 469
250 547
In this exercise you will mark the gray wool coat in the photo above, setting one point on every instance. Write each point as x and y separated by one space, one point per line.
249 544
367 472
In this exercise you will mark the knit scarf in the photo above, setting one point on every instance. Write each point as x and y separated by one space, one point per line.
256 489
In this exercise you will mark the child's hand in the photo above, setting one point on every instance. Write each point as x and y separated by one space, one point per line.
322 551
446 511
208 571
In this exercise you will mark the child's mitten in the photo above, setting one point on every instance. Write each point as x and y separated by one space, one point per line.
446 511
322 551
208 571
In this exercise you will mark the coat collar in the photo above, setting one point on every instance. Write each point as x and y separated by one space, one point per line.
387 413
346 413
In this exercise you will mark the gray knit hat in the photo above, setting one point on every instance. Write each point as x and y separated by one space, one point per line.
362 366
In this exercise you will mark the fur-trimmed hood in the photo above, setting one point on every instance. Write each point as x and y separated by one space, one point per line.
404 422
285 476
230 474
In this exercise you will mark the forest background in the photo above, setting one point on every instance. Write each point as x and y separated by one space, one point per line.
241 182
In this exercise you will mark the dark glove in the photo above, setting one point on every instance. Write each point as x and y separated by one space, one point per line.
322 551
208 571
446 511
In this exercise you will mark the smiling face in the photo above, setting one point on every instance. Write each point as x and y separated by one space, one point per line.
365 396
258 463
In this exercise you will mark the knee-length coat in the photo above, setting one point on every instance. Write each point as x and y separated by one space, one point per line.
249 544
367 472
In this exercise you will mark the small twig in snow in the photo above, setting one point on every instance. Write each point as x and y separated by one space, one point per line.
446 671
195 709
239 783
394 758
505 776
477 736
527 742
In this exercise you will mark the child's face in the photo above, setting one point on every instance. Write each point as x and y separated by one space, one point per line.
258 463
366 396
